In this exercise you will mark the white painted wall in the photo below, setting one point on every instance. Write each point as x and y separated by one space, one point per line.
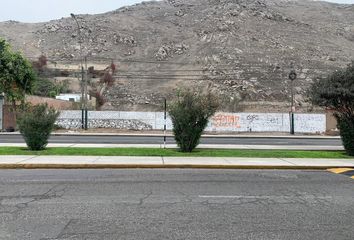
267 122
221 122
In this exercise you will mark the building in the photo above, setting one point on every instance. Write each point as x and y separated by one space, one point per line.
73 97
76 97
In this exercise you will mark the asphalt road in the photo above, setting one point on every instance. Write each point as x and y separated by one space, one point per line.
170 140
175 204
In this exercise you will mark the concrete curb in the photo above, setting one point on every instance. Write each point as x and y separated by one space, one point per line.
162 166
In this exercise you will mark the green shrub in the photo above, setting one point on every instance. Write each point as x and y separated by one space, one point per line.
346 127
35 124
190 113
46 88
336 92
43 86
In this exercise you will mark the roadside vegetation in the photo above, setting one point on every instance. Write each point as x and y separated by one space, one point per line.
17 76
190 113
46 88
43 86
64 151
336 92
35 124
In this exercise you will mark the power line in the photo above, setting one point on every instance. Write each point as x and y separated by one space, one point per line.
230 77
164 75
197 62
157 71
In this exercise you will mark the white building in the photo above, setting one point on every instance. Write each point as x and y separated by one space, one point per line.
73 97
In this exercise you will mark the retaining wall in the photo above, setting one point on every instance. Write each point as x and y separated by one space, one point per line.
221 122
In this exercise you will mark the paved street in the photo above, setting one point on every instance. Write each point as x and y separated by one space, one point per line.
175 204
205 140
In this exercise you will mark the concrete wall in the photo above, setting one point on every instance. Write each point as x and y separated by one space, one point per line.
267 122
8 117
55 103
331 121
221 122
112 119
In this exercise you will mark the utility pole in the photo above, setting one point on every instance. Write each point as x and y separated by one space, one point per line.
83 78
292 77
85 97
84 114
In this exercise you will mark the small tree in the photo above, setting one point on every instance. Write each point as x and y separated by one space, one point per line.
42 61
16 74
337 93
35 124
190 113
113 67
46 88
40 64
107 79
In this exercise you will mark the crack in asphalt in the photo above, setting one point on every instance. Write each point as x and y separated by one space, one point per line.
141 200
99 206
50 194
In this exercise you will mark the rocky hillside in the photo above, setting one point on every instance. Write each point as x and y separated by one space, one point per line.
242 49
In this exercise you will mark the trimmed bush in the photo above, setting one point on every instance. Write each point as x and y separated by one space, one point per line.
190 113
35 124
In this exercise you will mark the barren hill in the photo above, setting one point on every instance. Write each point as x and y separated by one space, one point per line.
240 48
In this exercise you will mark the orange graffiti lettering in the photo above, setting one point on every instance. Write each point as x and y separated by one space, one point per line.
222 121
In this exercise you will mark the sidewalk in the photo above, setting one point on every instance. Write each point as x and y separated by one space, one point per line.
207 146
207 135
87 162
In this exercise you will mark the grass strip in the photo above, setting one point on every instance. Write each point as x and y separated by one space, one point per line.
67 151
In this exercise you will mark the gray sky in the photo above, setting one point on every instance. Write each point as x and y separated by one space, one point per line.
45 10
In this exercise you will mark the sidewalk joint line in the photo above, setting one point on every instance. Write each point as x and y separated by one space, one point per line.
287 161
97 159
226 160
27 159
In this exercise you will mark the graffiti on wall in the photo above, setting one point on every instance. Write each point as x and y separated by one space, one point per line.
223 120
251 118
310 122
228 122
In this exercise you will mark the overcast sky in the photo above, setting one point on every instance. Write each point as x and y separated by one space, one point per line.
45 10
